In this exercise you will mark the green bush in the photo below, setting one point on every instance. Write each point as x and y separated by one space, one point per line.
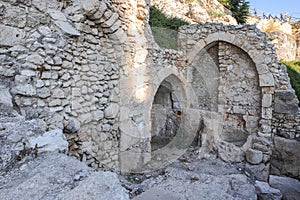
165 28
293 69
224 2
158 19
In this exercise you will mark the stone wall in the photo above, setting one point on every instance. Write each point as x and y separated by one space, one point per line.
264 108
61 59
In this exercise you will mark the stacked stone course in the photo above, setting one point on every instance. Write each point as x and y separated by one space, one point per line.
65 72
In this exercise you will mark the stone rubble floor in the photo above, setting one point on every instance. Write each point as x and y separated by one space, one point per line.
191 177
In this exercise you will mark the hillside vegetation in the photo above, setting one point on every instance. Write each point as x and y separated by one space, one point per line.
159 19
165 28
293 69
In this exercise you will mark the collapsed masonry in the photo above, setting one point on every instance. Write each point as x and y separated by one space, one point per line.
92 69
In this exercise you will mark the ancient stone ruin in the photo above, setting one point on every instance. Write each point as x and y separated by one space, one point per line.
92 69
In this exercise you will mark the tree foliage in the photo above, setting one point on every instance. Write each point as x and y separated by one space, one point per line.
239 9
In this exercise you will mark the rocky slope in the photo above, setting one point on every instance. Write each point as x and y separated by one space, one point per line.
57 176
280 33
33 164
195 11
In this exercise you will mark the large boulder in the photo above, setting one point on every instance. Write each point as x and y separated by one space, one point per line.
289 187
57 176
53 140
99 185
200 180
286 157
265 192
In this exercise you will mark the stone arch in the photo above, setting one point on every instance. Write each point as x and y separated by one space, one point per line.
166 111
205 85
265 85
265 76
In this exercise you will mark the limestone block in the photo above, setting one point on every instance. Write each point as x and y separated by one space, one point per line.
114 97
110 21
67 28
266 80
76 92
45 30
256 56
49 60
43 93
21 79
259 172
158 194
28 73
111 111
229 152
91 39
113 28
73 126
76 105
100 12
56 109
239 110
85 118
57 15
106 127
5 97
266 192
39 83
289 187
35 59
267 100
58 93
98 115
10 36
267 113
260 147
254 156
26 90
90 6
99 185
50 141
18 48
286 157
286 102
57 60
15 16
55 102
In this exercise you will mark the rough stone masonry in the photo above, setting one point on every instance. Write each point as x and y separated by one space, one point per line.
92 69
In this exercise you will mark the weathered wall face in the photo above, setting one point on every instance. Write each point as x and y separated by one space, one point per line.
61 60
255 99
239 81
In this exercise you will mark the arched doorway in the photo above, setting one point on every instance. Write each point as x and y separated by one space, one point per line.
226 83
166 113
